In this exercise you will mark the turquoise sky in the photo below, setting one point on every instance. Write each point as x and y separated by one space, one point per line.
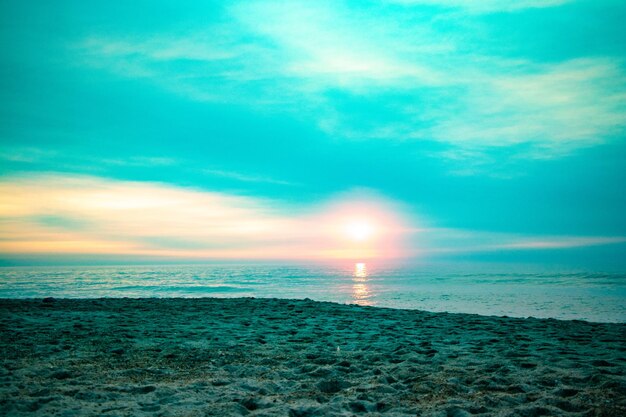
490 130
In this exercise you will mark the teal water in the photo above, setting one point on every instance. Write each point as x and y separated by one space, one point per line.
488 290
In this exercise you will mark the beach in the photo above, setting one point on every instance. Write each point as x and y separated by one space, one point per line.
278 357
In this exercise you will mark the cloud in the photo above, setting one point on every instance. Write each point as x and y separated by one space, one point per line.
562 242
404 78
323 46
140 161
274 53
238 176
53 214
486 6
269 53
39 155
456 241
31 155
61 214
28 155
553 109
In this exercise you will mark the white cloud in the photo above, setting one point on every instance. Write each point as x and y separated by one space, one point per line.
245 177
271 53
139 161
26 154
326 44
486 6
294 57
561 242
451 241
557 107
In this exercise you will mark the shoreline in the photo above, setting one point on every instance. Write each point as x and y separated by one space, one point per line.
381 307
267 356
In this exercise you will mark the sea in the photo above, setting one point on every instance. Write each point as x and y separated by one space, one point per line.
494 289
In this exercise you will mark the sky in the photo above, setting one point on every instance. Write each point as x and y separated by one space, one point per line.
393 129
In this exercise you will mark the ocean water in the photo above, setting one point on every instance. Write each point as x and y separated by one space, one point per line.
516 291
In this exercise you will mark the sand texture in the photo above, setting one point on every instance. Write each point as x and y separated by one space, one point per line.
269 357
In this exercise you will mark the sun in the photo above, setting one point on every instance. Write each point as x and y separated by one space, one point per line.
359 230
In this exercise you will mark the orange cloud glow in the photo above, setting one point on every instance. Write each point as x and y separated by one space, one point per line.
56 214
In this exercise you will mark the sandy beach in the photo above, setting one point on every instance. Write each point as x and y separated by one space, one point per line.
265 357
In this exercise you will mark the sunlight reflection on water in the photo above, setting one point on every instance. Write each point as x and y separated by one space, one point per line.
360 270
360 290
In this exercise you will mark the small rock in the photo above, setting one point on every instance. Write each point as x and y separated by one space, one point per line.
49 300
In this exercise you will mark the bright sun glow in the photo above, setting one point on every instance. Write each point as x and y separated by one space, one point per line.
359 230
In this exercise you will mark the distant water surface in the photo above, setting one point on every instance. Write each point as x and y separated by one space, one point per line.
488 290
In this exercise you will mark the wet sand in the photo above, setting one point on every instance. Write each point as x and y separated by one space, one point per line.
264 357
